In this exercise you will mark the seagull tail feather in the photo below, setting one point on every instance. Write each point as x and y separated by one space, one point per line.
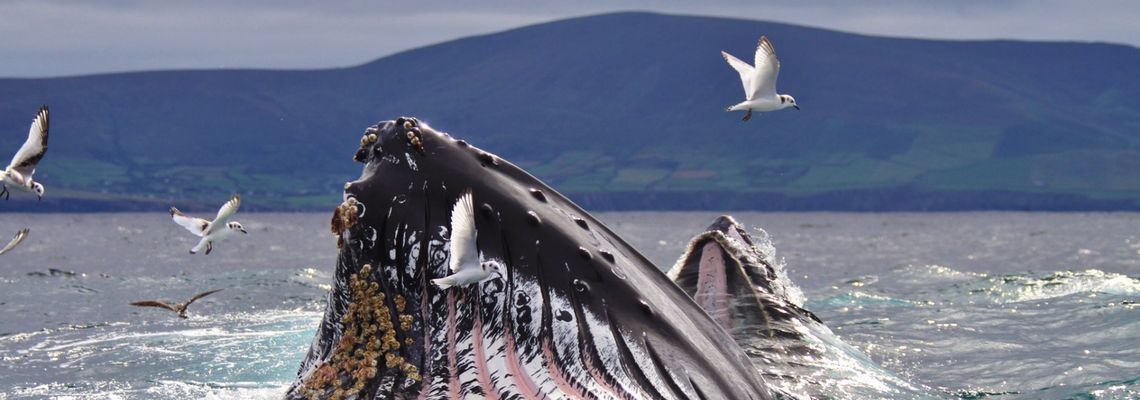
737 107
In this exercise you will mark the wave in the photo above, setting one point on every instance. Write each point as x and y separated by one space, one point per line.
226 356
1064 334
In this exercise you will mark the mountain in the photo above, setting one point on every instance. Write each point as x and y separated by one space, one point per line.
621 111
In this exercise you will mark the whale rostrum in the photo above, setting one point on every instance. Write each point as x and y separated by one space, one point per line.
575 312
738 280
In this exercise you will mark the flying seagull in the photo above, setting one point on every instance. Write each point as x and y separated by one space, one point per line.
760 82
179 308
211 231
466 267
20 236
23 165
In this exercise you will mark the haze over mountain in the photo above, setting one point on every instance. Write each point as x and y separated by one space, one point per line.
621 111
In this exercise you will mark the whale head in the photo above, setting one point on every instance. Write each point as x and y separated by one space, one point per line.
575 311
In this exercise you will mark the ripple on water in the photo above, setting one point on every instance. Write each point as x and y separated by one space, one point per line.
234 355
1012 336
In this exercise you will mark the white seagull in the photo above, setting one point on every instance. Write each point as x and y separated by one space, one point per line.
20 236
211 231
760 82
23 165
466 266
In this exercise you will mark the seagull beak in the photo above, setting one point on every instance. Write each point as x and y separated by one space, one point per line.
243 231
796 107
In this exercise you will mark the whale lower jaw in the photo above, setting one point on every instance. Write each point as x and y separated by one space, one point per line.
575 313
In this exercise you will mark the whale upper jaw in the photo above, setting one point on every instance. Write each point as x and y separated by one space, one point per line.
576 312
738 281
730 277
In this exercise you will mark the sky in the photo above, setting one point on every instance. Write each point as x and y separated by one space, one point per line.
71 37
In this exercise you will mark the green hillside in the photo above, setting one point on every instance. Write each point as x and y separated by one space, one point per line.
622 111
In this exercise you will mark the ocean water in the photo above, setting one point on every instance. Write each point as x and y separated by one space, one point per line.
954 305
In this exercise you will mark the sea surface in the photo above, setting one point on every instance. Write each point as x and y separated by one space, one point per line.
957 305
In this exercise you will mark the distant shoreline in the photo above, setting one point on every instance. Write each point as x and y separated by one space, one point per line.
855 200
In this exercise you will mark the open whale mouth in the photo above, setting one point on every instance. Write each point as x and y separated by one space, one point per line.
726 275
737 279
575 312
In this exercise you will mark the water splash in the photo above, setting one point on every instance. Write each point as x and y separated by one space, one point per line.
817 363
1015 336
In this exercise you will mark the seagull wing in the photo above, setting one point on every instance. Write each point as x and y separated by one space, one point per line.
224 213
201 295
19 237
196 226
463 252
154 303
767 68
34 148
743 69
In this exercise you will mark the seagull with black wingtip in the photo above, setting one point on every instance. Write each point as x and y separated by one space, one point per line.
19 172
211 231
760 81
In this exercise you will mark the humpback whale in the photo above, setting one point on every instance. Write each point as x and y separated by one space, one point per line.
575 313
725 272
737 279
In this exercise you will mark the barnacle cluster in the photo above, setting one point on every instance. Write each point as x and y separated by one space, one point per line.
413 135
369 339
366 141
345 216
368 138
